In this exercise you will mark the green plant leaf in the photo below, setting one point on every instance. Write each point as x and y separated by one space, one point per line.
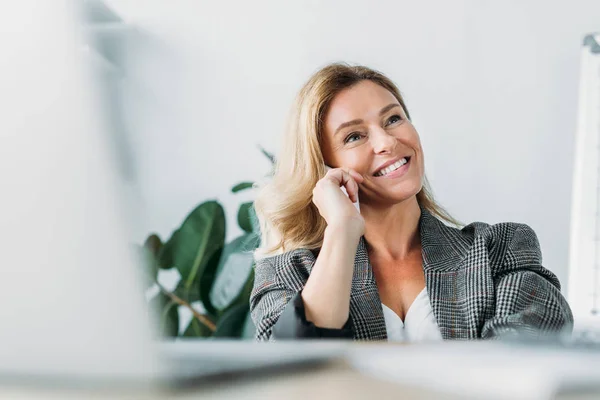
191 246
254 222
153 244
200 291
189 295
244 295
234 271
170 319
232 323
165 256
245 216
242 186
270 156
196 329
207 280
167 313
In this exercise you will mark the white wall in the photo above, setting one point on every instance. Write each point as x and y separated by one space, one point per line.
491 85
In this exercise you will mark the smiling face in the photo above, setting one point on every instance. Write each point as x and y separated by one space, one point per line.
366 129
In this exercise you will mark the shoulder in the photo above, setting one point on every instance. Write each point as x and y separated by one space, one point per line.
475 237
510 247
291 267
497 238
298 257
502 236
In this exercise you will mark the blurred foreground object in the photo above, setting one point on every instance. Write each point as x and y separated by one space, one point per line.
584 263
69 281
73 313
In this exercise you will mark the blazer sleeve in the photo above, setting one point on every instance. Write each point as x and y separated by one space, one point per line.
528 298
277 307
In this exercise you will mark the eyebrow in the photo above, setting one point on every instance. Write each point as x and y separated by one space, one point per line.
359 121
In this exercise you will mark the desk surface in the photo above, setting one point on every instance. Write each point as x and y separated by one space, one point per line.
337 380
334 380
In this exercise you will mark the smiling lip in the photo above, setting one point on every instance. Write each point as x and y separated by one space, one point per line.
397 173
388 163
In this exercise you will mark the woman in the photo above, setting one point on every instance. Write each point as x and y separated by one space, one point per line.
393 270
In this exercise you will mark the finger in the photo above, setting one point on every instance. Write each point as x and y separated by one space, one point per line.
337 175
357 177
352 189
353 185
350 185
344 178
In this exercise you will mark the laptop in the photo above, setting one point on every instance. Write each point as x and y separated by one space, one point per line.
72 309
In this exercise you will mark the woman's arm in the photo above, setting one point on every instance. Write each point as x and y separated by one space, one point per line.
326 295
528 298
284 308
287 304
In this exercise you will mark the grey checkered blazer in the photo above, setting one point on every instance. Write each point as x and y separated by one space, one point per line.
483 281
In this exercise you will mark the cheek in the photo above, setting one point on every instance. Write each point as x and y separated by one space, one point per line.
415 143
420 157
358 159
414 137
421 166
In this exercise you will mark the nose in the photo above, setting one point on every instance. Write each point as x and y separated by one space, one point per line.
382 141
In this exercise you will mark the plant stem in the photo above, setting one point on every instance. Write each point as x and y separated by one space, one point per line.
202 318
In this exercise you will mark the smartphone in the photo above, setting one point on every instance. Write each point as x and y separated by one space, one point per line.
343 189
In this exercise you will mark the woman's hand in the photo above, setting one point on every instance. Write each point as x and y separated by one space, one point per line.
333 204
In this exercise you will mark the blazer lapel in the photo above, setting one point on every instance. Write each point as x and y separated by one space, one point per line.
443 250
365 303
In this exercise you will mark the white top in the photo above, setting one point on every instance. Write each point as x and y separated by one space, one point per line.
419 323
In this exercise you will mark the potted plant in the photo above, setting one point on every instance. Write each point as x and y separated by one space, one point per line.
220 275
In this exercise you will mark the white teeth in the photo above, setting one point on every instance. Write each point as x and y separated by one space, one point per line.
392 167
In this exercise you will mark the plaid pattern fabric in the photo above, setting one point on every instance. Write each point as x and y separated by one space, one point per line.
483 281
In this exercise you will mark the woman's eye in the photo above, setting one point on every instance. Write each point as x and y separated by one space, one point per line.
352 137
393 119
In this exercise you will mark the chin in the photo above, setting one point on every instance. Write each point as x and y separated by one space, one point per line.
406 191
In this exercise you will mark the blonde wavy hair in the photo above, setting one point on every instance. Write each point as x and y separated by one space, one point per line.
287 216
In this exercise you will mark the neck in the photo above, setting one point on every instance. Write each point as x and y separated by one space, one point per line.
392 232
